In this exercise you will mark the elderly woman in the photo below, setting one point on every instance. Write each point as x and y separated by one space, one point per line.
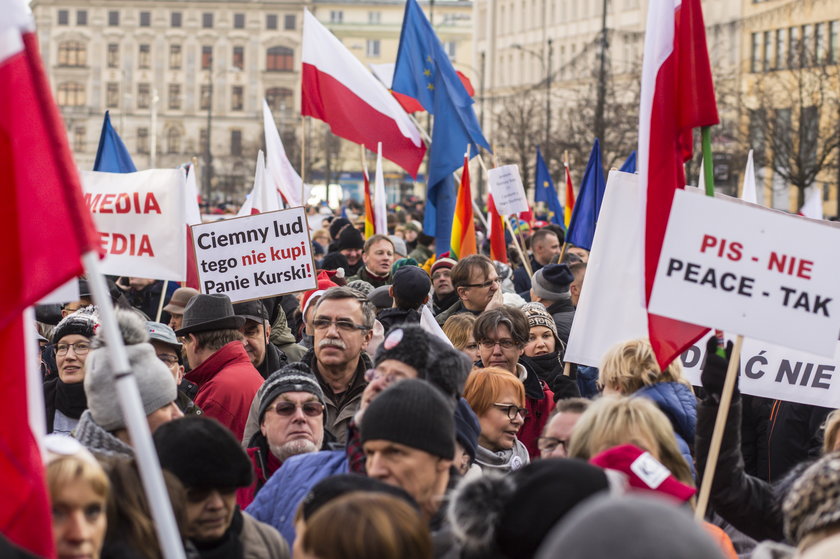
498 399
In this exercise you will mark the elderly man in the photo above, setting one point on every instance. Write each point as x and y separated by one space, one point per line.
209 463
265 356
168 349
444 295
378 256
545 248
550 286
554 441
476 282
176 305
227 381
291 419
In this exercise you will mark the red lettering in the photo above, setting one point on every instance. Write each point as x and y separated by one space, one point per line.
118 243
145 246
777 261
151 204
123 205
805 269
708 242
107 202
735 251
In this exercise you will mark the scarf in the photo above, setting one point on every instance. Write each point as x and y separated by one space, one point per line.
70 399
229 546
98 440
503 461
547 366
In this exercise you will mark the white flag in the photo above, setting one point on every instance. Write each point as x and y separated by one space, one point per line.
748 194
813 206
284 177
264 197
380 212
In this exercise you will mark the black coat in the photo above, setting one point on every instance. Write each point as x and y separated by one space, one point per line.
274 359
389 318
795 436
563 313
550 369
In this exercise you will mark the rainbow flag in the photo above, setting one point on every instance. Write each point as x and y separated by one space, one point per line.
369 218
569 206
463 227
498 247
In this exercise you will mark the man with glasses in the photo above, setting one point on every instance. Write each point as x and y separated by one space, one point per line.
291 419
554 441
476 282
168 349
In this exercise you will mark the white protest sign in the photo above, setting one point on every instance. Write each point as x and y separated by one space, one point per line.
508 191
63 293
778 373
764 275
255 256
140 219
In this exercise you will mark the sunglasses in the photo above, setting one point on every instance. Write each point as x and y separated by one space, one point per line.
288 409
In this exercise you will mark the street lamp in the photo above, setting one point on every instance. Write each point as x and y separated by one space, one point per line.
547 69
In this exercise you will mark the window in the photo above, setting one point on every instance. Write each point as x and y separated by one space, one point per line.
807 45
113 55
781 55
279 59
767 63
79 134
145 19
239 21
793 47
142 140
63 17
289 22
72 54
143 56
174 57
81 17
175 19
204 97
819 43
374 17
174 96
755 53
336 16
833 46
112 95
450 47
236 142
207 20
71 94
278 98
113 18
372 48
237 98
271 21
239 58
143 96
206 57
173 140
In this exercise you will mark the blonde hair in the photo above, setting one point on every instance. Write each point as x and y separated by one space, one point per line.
615 420
459 329
832 430
70 470
630 366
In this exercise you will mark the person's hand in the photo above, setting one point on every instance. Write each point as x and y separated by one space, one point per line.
497 301
713 374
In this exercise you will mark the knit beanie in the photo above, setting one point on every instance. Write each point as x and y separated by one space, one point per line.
350 238
201 452
335 261
154 379
337 225
414 414
361 286
446 263
83 322
538 316
813 501
407 344
448 368
294 377
552 282
467 428
403 262
411 285
399 245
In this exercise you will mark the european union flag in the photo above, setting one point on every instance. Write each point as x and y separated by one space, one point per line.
544 191
629 164
588 203
423 71
111 155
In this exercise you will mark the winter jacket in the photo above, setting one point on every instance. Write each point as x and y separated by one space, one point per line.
274 361
795 436
364 275
261 541
746 502
521 278
389 318
281 336
439 305
277 502
550 369
264 464
563 313
457 308
678 402
98 441
147 300
227 383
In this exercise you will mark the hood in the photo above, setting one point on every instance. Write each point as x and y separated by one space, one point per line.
678 402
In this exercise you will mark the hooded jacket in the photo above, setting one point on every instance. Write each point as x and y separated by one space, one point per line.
679 404
397 317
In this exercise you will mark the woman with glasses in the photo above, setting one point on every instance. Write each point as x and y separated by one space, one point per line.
498 399
64 395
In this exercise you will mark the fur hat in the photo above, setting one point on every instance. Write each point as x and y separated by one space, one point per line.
83 322
813 502
552 282
294 377
201 452
154 379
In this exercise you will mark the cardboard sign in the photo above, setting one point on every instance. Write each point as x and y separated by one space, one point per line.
256 256
764 275
140 219
779 373
508 191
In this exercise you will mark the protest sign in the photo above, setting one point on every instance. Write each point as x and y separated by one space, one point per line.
140 219
764 275
508 191
63 293
255 256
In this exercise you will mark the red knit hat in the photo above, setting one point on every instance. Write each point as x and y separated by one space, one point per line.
324 283
643 471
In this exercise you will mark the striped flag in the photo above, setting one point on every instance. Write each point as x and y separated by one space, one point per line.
569 206
369 214
498 247
463 225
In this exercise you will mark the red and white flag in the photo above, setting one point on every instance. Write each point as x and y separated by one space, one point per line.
45 228
677 95
278 167
338 89
264 197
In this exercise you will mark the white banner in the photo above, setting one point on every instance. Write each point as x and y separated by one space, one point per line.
508 191
256 256
140 219
765 275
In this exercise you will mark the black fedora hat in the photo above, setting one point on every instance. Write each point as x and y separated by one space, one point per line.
209 312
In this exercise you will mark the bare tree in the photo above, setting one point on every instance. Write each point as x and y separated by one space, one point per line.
520 125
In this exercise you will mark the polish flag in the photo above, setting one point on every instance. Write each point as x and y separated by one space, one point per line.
264 197
339 90
278 167
677 95
498 246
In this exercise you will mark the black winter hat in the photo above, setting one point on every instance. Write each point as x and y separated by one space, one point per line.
334 261
414 414
294 377
201 452
251 310
411 286
83 322
552 280
408 344
448 368
467 428
350 238
336 225
336 486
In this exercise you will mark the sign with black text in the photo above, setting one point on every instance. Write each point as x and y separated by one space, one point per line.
508 191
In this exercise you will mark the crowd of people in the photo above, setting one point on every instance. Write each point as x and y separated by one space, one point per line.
416 407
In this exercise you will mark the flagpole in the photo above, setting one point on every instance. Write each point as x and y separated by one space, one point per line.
162 297
708 163
128 396
303 162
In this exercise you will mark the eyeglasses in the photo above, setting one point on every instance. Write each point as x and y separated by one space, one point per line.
549 444
341 325
490 344
288 409
487 283
372 375
79 348
168 359
512 410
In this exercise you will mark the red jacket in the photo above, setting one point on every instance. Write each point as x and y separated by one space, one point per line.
227 384
265 464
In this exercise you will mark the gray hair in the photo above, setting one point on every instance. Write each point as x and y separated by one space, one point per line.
337 293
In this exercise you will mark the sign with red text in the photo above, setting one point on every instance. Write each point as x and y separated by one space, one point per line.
508 191
764 275
255 256
140 219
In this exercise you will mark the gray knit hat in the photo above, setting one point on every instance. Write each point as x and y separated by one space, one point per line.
538 316
813 501
552 282
154 379
294 377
